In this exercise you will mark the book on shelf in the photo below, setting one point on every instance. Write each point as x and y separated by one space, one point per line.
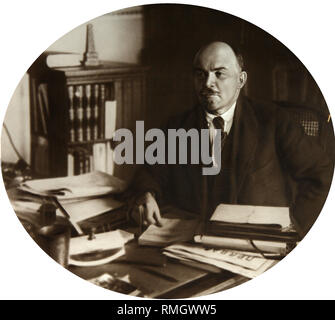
88 113
92 111
92 157
110 118
70 164
102 111
99 156
95 120
109 159
78 161
57 59
43 107
92 123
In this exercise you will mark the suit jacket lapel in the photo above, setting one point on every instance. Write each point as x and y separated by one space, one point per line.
194 171
245 139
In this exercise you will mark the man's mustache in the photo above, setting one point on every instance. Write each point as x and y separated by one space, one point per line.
208 92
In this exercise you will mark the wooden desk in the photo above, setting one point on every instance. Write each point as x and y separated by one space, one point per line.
191 282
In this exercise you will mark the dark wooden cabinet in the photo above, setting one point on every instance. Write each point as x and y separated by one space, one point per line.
68 113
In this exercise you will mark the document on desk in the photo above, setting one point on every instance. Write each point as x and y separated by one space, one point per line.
274 247
247 264
82 210
72 188
172 230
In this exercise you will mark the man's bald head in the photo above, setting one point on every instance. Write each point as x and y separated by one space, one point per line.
218 47
218 77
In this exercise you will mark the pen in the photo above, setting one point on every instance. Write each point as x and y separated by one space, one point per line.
158 273
59 206
141 209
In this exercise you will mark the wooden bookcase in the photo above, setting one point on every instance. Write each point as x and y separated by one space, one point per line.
68 113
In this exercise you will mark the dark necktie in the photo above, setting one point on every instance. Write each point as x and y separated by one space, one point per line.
218 123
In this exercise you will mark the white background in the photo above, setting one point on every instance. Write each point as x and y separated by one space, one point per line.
29 27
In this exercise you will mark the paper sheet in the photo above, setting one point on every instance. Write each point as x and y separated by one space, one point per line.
173 230
244 263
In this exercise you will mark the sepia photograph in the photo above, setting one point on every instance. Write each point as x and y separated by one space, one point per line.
166 151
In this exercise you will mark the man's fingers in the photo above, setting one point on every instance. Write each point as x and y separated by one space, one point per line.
147 212
153 214
158 218
150 219
145 223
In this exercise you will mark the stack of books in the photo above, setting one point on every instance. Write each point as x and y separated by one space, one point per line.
250 228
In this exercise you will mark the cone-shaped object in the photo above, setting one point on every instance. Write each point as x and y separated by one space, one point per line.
90 55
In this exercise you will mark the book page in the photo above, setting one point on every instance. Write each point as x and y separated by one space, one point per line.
252 214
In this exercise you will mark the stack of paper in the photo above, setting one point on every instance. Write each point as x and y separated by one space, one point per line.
89 185
246 264
79 211
82 197
242 244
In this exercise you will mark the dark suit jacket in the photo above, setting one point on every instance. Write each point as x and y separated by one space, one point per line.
268 151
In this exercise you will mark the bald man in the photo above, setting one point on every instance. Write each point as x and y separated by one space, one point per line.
262 149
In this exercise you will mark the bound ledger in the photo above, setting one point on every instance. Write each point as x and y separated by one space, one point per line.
252 228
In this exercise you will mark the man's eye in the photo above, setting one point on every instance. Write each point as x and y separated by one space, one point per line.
200 74
219 74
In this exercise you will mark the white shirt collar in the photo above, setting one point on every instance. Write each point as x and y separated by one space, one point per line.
226 116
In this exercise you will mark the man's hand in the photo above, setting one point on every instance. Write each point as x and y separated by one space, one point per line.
148 204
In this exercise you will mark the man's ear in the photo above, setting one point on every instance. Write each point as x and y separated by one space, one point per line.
242 79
